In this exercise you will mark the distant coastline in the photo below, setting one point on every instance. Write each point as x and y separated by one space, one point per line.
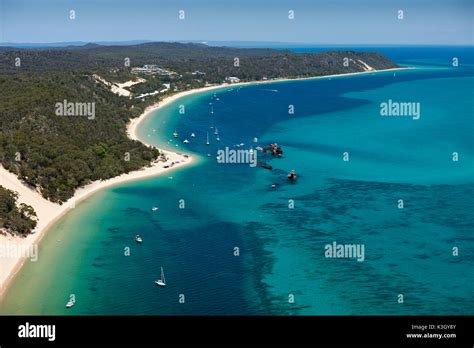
49 213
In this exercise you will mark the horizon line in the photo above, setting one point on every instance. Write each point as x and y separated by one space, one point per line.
139 41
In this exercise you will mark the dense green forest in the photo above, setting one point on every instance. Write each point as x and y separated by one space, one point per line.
58 154
216 62
18 219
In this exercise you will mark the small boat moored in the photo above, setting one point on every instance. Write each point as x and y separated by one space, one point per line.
266 165
71 302
161 282
292 176
138 239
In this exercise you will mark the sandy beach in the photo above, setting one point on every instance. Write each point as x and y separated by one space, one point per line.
48 212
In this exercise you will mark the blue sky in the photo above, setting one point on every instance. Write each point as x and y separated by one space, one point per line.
316 21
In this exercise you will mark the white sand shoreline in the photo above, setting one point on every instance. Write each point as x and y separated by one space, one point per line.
49 213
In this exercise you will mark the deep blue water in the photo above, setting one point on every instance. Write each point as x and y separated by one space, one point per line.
407 251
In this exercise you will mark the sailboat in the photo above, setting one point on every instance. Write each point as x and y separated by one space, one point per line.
216 132
175 134
161 282
71 303
193 135
207 142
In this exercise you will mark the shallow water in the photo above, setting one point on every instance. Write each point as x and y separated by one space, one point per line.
281 250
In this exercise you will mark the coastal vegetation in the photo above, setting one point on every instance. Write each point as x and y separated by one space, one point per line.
57 154
17 219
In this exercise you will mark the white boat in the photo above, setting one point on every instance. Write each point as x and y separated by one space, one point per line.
154 209
207 141
216 131
208 155
138 239
218 139
70 303
175 134
186 141
255 140
193 135
161 282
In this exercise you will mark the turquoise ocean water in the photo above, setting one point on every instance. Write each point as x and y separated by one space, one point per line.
407 251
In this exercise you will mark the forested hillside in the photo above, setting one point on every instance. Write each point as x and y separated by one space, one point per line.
216 62
58 154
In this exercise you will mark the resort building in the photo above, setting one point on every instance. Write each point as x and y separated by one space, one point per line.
232 79
153 70
198 73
